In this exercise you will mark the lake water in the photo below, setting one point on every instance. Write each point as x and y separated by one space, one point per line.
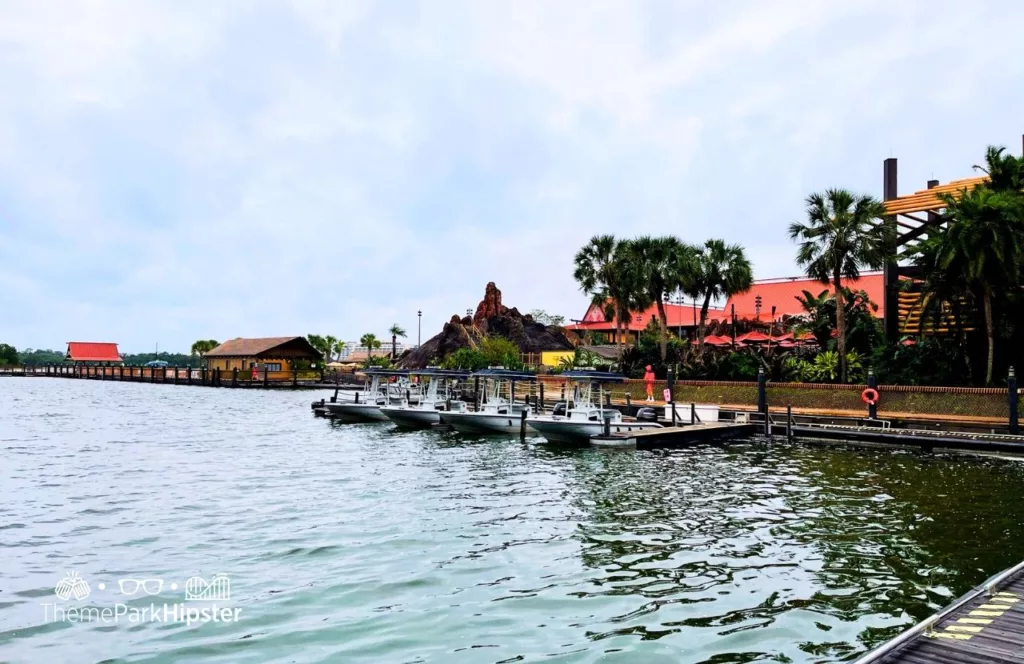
357 543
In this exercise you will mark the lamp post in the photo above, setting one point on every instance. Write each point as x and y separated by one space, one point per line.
679 301
419 327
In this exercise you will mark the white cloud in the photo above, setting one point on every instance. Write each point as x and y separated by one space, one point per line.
171 170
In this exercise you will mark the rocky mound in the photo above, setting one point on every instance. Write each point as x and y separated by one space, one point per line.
492 318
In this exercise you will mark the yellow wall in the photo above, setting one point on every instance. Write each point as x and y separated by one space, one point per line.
241 363
550 358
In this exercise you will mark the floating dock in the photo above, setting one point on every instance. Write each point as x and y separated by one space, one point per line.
924 439
670 436
984 626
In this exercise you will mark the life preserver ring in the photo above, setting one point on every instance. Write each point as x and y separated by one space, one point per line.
869 396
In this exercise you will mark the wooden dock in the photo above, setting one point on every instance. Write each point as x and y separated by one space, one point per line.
925 439
678 436
984 626
205 377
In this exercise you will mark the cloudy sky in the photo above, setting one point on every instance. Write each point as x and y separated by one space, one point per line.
179 170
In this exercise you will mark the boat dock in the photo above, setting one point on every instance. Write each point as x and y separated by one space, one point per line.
674 436
984 626
925 439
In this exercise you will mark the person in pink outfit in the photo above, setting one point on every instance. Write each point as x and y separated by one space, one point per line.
649 382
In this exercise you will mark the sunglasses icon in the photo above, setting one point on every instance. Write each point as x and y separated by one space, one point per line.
149 586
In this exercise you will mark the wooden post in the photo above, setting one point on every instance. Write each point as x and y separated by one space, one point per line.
673 404
266 372
512 392
872 384
762 398
234 377
188 376
1011 384
295 377
522 424
476 393
789 423
357 397
164 374
541 398
693 413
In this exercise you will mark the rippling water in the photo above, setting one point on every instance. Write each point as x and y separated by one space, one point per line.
358 543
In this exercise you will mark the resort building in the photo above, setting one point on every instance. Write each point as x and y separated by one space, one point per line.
767 297
270 353
92 352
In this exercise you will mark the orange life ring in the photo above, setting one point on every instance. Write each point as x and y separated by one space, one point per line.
869 396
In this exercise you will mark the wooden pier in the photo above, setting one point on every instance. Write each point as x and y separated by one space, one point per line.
984 626
674 436
205 377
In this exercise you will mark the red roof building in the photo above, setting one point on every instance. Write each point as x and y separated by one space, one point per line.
780 293
92 351
783 293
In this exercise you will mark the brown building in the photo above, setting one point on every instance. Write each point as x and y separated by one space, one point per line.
270 353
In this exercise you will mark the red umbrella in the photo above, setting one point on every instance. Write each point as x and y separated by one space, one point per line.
753 337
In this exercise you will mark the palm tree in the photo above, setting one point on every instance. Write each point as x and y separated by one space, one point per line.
843 234
598 271
721 271
981 251
330 344
204 346
663 265
1005 171
395 331
369 340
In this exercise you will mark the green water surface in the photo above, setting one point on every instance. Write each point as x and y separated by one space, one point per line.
360 543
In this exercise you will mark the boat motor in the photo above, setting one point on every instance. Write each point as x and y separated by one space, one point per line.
647 415
559 409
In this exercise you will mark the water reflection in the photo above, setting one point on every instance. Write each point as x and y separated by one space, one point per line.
366 543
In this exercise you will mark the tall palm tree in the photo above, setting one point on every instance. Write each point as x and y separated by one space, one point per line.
663 265
330 345
721 271
369 340
599 270
981 250
395 331
1005 171
842 235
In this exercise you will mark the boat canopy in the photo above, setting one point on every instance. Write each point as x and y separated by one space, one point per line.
507 374
440 373
386 372
593 376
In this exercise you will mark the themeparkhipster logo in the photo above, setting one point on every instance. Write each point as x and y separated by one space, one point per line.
204 602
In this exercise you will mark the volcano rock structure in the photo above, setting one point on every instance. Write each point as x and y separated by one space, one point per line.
492 318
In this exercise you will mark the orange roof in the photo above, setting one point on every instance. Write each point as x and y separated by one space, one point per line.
782 294
92 351
678 316
928 199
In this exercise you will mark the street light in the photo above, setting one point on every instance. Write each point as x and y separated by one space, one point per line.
419 327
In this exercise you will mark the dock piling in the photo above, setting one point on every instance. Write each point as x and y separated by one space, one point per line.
1011 384
541 409
673 405
872 384
522 425
789 423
